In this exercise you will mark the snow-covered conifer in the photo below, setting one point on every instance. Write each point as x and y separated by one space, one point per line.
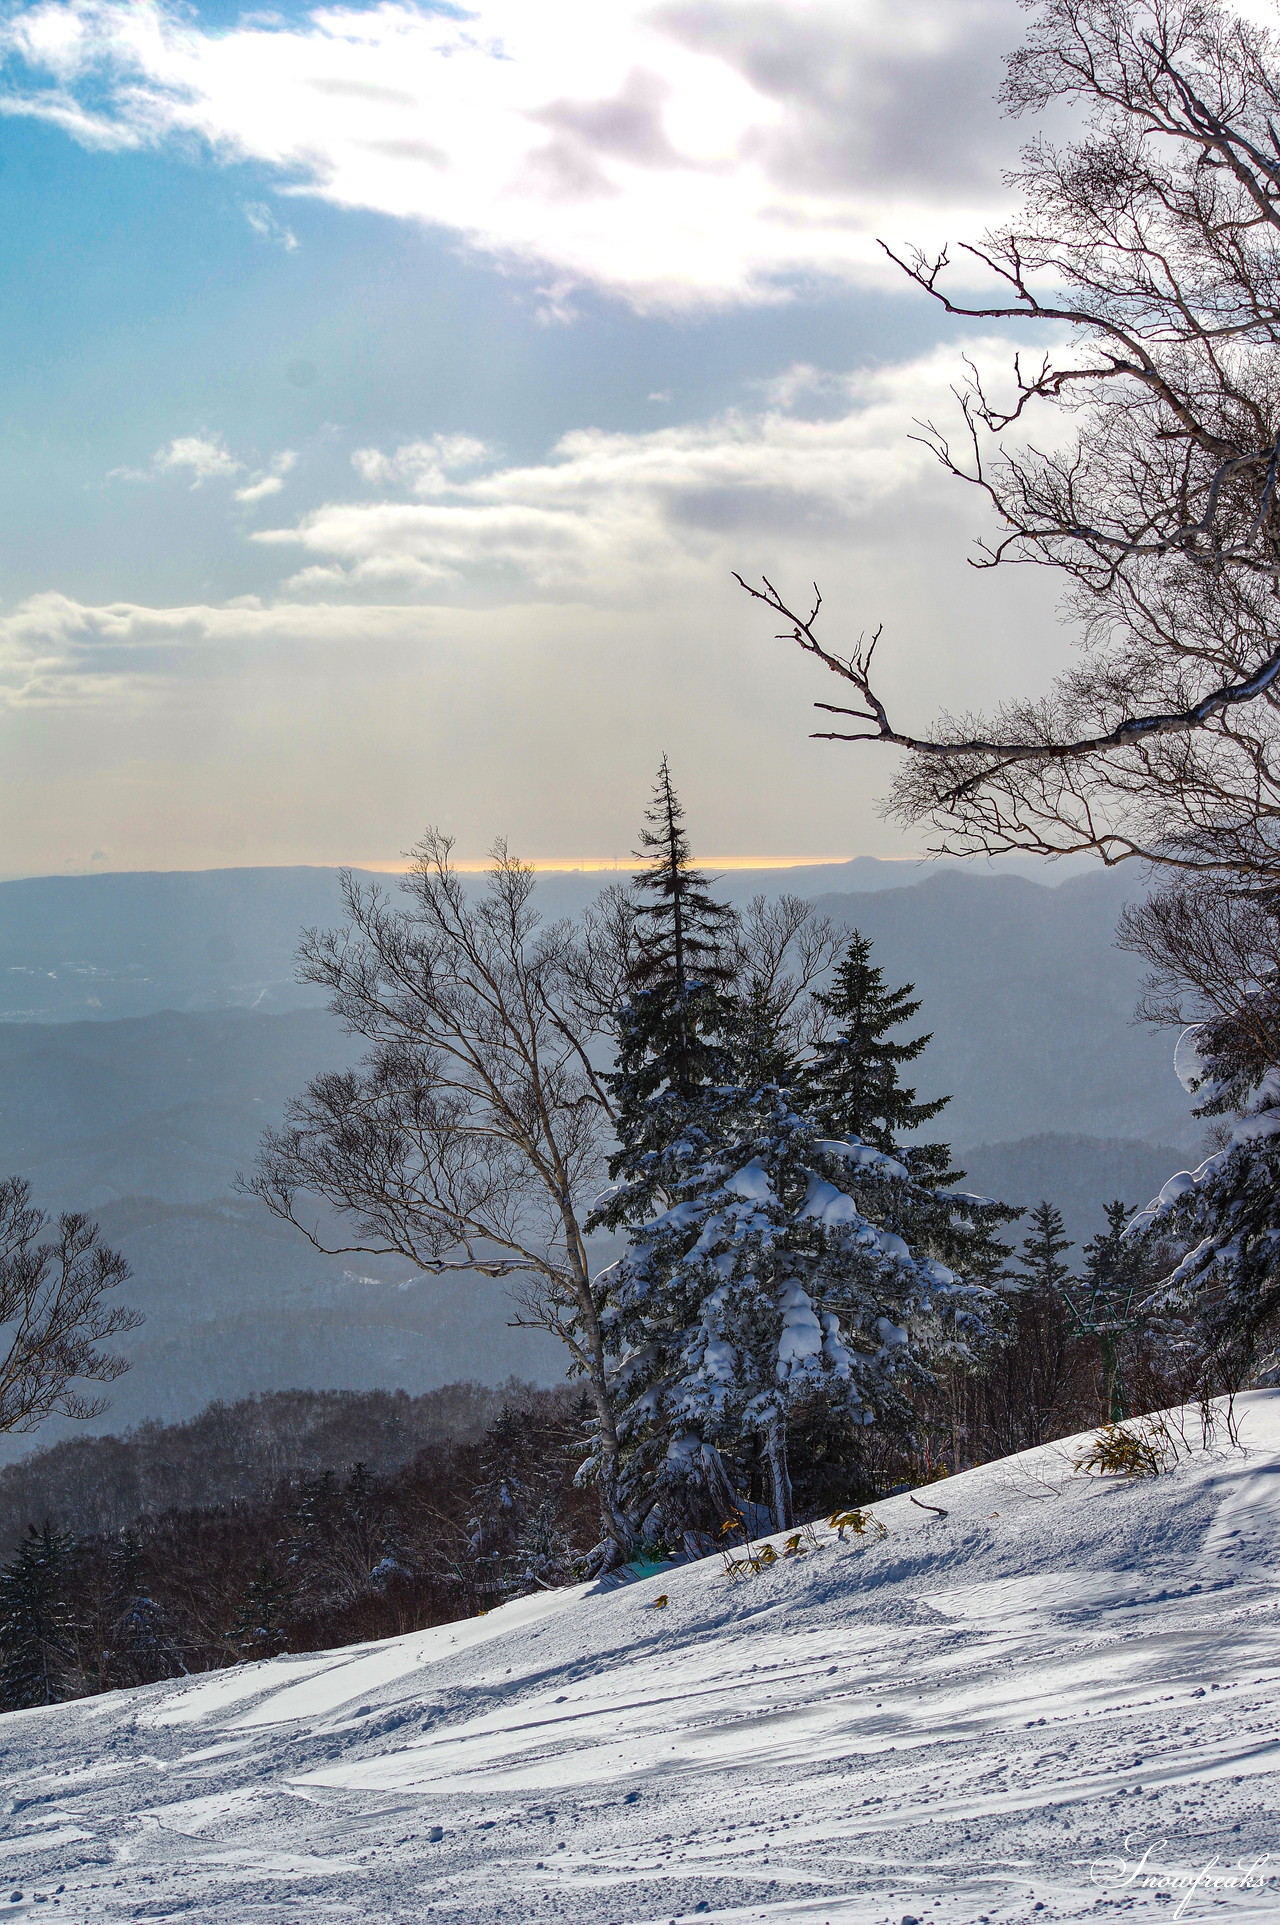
260 1626
1224 1294
852 1088
544 1554
141 1647
780 1258
769 1283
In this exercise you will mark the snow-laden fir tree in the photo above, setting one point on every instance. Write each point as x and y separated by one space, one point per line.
141 1649
1222 1299
852 1087
673 1086
260 1628
544 1556
771 1283
518 1536
36 1635
767 1271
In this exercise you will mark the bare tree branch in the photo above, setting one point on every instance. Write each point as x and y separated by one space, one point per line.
53 1313
856 668
1153 243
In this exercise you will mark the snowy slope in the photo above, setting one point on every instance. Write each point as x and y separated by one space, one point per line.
989 1716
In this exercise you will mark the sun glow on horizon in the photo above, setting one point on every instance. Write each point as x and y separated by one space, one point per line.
627 865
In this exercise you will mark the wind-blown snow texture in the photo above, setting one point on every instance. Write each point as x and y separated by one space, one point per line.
978 1718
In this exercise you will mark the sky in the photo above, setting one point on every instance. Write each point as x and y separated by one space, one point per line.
392 390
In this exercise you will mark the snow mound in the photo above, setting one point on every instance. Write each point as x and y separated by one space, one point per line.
1055 1700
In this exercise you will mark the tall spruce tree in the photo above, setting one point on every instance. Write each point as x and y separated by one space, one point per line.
1106 1305
1043 1249
675 1067
1030 1381
36 1652
674 1088
260 1628
851 1086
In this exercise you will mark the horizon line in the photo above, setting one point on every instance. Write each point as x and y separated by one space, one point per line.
628 865
572 865
465 865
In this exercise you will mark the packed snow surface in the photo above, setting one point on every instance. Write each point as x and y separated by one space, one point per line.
1057 1701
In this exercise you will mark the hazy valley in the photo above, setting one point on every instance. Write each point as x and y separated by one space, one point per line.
189 1035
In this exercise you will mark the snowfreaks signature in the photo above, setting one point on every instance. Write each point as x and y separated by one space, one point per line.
1213 1877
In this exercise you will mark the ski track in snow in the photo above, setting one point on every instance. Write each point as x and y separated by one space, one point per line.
984 1718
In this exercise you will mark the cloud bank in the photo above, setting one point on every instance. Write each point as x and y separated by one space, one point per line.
639 519
646 523
487 644
681 154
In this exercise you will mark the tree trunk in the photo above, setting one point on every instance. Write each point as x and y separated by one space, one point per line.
1112 1389
616 1526
779 1475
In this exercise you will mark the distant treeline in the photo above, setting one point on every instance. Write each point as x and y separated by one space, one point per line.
232 1453
311 1519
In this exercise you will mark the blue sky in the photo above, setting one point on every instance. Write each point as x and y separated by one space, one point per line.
389 393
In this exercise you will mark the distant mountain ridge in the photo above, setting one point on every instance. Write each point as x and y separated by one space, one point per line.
234 1451
1030 1003
1079 1173
132 943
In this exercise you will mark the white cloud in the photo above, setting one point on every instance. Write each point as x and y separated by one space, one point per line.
613 518
697 152
271 480
575 615
205 460
424 466
613 535
801 382
264 223
259 490
56 651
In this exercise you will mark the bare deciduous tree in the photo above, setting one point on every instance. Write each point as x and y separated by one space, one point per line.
1152 243
1210 950
781 951
53 1312
472 1136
